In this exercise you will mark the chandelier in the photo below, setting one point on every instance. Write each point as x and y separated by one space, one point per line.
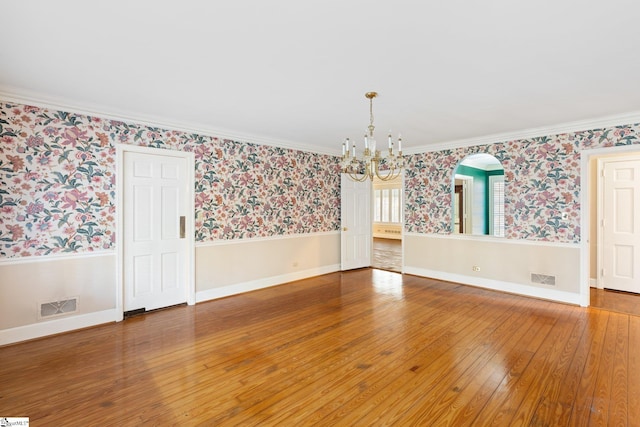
385 165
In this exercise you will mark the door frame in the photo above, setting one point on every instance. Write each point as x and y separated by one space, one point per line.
601 161
121 149
466 182
586 156
401 179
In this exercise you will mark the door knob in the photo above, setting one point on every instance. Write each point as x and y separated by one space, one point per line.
344 228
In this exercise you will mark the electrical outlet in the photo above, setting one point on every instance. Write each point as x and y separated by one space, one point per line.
475 268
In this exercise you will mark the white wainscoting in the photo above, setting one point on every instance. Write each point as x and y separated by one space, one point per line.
28 282
502 264
223 268
231 267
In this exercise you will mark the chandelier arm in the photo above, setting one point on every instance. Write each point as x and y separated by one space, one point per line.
393 174
352 170
371 159
393 171
357 177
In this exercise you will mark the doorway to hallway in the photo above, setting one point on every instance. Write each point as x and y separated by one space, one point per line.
595 234
387 224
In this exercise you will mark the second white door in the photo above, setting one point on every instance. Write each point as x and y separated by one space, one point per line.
357 234
621 226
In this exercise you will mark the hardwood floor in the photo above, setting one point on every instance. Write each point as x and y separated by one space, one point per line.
365 347
621 302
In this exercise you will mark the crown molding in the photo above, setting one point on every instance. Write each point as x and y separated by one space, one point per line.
562 128
37 100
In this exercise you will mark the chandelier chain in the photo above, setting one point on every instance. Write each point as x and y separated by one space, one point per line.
371 127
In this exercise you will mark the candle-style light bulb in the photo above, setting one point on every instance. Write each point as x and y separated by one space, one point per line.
399 143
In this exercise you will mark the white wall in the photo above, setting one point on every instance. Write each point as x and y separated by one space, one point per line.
505 265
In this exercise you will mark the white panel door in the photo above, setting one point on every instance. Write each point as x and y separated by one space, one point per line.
357 232
155 252
621 226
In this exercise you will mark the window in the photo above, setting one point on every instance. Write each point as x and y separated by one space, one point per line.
387 205
496 205
395 205
377 203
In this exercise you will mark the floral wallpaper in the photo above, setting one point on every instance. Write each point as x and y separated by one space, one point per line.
57 183
542 181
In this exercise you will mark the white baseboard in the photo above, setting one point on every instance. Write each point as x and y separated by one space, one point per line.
253 285
497 285
66 324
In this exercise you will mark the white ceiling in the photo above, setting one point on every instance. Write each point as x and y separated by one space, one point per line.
294 73
482 161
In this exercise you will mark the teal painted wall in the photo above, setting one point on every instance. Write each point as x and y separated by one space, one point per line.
480 208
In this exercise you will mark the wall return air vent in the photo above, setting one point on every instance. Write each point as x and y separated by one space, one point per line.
543 279
58 307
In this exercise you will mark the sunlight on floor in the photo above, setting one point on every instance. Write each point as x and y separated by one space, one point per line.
388 283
